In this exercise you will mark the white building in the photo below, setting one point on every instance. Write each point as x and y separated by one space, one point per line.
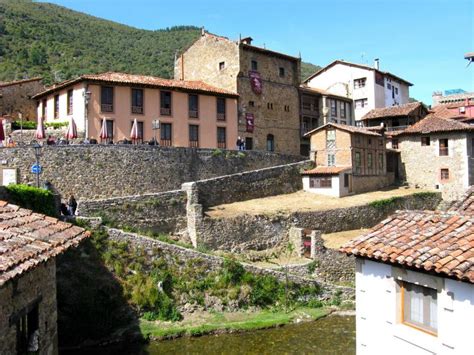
415 284
367 86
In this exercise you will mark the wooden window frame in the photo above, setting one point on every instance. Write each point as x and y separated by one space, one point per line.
370 161
56 106
254 65
342 109
142 131
443 150
281 72
221 65
109 108
193 143
221 116
166 111
193 113
425 141
166 142
222 144
70 102
442 175
136 109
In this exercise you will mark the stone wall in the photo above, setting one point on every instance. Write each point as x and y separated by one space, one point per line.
258 232
361 183
23 292
103 171
265 182
163 212
156 249
16 97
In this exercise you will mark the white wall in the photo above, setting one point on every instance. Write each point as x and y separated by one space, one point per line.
379 329
334 191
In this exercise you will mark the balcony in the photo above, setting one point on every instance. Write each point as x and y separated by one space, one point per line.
221 116
137 109
221 145
107 107
397 128
165 111
165 142
193 114
194 144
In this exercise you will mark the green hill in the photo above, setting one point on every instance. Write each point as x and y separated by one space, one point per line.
40 39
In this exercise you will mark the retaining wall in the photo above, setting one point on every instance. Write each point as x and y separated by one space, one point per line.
104 171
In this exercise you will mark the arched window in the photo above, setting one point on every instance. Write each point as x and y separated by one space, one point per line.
270 143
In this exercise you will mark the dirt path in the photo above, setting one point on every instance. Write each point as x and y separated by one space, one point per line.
303 201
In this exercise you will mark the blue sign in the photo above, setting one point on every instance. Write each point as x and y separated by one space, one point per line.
36 169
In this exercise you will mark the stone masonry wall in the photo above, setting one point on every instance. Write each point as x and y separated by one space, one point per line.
258 232
163 212
22 292
252 184
103 171
156 250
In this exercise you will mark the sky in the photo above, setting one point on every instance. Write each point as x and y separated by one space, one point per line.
422 41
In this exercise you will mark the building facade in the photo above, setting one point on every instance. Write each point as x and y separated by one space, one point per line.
267 83
414 290
190 114
348 160
16 98
437 153
28 309
367 86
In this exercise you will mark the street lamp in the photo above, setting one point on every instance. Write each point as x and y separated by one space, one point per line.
37 148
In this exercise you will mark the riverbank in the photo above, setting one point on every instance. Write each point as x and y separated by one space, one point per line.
201 323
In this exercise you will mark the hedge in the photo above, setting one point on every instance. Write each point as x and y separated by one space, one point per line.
33 198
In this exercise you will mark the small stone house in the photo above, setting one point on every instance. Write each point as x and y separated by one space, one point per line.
348 160
395 118
437 153
415 283
29 243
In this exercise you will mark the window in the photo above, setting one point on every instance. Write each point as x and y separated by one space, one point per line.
425 141
389 86
396 91
360 103
137 100
379 78
331 139
320 182
254 65
27 325
221 138
69 102
358 162
331 160
282 72
346 180
342 108
287 108
443 147
333 108
110 130
166 134
56 106
369 141
251 104
193 105
221 109
107 99
270 143
165 103
139 130
444 174
419 307
359 83
381 167
380 142
369 160
221 65
394 143
194 136
248 143
43 108
270 106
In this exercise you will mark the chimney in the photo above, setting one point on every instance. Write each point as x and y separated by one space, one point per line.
203 31
246 40
377 63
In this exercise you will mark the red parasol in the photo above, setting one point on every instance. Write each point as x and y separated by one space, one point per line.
104 133
40 134
71 132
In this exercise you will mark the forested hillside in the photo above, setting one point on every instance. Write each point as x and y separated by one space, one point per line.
40 39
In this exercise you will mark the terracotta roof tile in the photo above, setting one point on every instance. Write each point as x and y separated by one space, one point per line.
466 204
347 128
433 123
27 239
442 242
326 170
145 80
393 111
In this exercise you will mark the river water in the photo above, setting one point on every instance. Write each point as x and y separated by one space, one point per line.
330 335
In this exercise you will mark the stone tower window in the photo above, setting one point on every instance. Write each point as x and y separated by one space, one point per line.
254 65
282 72
221 65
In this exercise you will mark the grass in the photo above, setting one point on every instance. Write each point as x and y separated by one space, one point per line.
209 323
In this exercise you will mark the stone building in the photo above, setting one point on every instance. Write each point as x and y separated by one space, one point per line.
437 153
369 87
190 113
348 160
29 243
16 97
267 83
395 118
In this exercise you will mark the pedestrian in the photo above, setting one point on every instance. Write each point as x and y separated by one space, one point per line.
72 205
239 143
10 142
50 141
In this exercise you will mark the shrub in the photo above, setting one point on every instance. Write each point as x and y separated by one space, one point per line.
217 152
232 271
381 204
38 200
56 125
24 125
266 291
312 266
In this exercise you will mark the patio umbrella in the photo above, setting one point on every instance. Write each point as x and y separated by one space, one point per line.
71 132
40 134
2 132
134 133
104 133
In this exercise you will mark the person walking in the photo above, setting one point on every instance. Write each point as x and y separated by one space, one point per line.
72 205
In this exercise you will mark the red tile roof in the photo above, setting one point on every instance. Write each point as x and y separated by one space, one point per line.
448 111
433 124
434 242
28 239
356 65
326 170
347 128
466 204
144 80
393 111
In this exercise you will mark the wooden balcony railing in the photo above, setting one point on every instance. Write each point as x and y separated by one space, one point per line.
137 109
221 116
221 145
193 114
443 151
165 142
165 111
106 108
194 144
